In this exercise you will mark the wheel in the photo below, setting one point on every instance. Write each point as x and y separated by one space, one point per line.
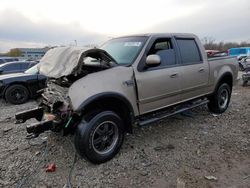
219 101
17 94
101 138
244 84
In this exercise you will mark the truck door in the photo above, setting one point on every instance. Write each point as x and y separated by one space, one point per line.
195 70
158 86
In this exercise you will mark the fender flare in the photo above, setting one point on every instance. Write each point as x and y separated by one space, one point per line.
110 95
220 79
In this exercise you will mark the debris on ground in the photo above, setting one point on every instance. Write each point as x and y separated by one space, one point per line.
7 129
162 152
180 183
37 153
166 147
211 178
51 168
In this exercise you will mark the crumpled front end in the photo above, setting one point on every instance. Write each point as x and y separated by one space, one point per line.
54 112
63 66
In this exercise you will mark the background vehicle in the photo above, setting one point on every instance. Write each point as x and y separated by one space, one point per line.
211 52
98 94
242 51
244 65
17 88
220 54
7 59
17 66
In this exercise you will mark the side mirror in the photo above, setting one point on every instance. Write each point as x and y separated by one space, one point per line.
153 60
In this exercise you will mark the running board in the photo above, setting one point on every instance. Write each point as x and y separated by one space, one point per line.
155 119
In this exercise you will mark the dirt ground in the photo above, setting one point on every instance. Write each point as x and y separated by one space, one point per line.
200 151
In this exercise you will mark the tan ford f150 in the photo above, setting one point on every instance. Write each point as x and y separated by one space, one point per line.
99 94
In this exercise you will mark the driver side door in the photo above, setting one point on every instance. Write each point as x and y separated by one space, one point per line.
159 86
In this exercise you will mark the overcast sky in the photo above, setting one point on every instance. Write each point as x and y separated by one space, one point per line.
29 23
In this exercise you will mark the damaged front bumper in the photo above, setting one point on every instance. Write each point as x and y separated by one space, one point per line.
36 113
42 125
54 112
47 121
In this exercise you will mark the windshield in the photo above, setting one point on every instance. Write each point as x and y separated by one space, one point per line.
124 50
32 70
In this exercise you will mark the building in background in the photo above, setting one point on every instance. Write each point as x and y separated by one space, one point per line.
33 53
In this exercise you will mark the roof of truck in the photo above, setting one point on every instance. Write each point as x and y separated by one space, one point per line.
157 35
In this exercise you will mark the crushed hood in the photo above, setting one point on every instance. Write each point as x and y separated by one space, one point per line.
63 61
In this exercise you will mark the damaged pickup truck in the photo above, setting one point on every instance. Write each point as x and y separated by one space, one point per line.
99 94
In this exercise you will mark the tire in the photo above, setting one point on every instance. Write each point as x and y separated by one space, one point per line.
219 101
101 138
16 94
244 84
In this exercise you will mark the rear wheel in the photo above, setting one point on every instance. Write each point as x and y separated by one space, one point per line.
101 138
17 94
219 101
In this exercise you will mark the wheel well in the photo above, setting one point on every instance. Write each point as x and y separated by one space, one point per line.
226 78
114 104
16 83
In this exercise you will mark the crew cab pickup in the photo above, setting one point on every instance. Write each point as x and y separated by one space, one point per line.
99 94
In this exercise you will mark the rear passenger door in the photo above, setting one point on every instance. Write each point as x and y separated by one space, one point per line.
195 70
158 86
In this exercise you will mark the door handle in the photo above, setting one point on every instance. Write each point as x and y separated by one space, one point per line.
201 70
174 75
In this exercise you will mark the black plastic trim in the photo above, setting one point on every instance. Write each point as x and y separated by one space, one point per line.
109 95
222 77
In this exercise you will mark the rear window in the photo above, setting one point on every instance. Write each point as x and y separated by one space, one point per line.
189 51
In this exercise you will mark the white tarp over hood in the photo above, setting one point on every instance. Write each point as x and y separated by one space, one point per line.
63 61
60 61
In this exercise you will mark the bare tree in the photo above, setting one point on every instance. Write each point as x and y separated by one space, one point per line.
211 44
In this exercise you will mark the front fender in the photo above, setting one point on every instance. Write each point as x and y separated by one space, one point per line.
111 81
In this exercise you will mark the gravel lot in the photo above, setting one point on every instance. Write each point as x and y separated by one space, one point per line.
178 152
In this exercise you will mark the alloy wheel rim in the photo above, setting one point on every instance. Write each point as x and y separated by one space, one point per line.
105 137
17 94
223 99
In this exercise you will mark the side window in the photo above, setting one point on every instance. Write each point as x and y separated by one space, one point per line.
24 66
164 48
12 67
31 65
189 51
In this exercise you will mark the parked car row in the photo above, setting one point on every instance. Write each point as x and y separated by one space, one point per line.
17 88
7 59
16 66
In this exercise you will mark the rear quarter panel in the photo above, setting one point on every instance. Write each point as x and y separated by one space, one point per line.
219 67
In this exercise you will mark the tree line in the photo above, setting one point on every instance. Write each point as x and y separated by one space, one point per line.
15 52
210 44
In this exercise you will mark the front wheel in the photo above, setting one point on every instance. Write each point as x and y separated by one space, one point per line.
17 94
101 138
219 101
